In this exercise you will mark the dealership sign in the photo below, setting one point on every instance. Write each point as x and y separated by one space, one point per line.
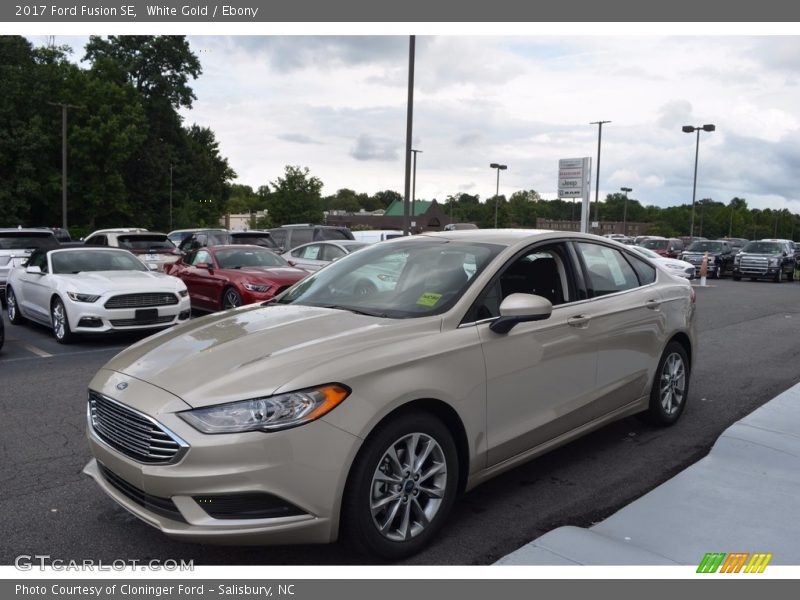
572 177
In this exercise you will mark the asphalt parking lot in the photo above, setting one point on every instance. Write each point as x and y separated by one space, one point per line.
748 353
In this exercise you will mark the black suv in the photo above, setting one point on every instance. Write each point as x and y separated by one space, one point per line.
218 237
291 236
720 257
765 260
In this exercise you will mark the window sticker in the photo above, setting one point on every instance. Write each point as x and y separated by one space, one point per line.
429 299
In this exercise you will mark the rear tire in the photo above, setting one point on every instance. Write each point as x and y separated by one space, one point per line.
12 308
670 387
401 487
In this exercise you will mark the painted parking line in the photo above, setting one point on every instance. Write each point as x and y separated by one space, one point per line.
37 351
60 354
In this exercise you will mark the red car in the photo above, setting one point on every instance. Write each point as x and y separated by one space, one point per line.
221 277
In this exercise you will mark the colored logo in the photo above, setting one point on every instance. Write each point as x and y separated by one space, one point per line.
735 562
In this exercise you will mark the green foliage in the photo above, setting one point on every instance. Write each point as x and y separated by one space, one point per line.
296 197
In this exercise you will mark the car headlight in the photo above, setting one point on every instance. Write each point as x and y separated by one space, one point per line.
267 414
183 293
76 297
388 278
255 287
774 262
673 267
737 259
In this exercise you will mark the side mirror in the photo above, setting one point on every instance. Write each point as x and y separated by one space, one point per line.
33 270
521 308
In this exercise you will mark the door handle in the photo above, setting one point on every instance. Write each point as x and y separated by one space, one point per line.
580 321
653 304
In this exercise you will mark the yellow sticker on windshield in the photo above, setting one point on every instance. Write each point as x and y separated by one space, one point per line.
429 299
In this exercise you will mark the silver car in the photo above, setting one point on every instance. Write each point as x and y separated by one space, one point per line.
332 412
16 246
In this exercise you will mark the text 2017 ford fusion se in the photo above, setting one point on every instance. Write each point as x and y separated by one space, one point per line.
330 412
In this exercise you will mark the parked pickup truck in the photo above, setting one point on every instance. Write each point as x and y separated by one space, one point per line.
764 260
720 257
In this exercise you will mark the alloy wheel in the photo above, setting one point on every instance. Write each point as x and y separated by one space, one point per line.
673 383
408 487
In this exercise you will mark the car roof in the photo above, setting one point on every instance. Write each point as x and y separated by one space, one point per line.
39 230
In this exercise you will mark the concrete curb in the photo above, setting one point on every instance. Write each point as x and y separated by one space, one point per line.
743 497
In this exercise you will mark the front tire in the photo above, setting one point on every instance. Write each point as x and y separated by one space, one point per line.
779 275
230 299
60 322
670 387
401 486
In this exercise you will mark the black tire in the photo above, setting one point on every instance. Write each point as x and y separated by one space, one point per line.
60 322
670 388
12 308
779 275
230 299
431 495
737 277
790 277
718 271
364 287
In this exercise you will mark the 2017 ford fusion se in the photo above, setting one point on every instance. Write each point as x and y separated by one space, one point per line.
329 412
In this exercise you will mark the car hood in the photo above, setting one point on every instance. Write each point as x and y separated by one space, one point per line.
253 350
121 282
278 274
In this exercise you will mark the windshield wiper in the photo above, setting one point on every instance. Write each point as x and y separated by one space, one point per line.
356 311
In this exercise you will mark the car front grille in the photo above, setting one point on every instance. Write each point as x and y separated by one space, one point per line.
141 300
754 264
134 322
132 433
161 506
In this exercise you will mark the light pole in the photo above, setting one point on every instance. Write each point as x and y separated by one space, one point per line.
499 168
409 131
170 196
690 129
64 108
414 185
597 181
625 210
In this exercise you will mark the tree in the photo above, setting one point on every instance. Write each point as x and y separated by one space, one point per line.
296 197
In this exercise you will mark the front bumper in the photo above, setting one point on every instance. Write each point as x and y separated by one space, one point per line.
305 467
85 317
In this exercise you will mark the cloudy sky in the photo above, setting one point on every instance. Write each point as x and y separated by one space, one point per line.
337 104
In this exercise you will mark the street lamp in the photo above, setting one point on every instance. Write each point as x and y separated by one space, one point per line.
414 184
691 129
64 108
625 210
597 184
499 168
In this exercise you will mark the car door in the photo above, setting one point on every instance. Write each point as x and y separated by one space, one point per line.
34 290
540 376
628 322
308 257
197 280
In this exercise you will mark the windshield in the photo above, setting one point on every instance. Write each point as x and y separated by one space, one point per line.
705 247
254 257
79 261
763 248
19 240
415 277
144 243
655 244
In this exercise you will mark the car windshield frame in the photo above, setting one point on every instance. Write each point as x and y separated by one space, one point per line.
224 257
411 278
706 246
72 262
763 248
27 240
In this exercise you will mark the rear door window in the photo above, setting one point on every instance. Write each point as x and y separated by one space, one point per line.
607 270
